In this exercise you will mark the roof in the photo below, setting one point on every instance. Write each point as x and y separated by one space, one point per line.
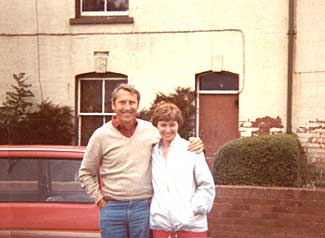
42 151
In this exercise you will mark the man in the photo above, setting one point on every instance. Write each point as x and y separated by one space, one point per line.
119 153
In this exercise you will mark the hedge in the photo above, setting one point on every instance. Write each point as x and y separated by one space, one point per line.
273 160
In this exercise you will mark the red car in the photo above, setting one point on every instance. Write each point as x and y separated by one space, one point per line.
40 195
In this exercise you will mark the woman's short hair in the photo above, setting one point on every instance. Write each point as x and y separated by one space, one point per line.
126 87
166 111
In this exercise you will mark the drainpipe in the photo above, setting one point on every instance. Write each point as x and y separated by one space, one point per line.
291 46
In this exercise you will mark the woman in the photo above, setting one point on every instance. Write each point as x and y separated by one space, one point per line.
183 185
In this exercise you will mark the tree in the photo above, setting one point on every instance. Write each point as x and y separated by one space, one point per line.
17 101
48 123
184 98
15 109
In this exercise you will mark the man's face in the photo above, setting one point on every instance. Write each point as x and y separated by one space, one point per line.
126 107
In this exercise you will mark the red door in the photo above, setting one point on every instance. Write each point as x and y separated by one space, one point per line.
218 120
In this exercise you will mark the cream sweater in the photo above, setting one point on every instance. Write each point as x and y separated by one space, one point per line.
123 163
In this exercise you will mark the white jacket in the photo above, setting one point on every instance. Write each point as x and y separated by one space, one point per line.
184 189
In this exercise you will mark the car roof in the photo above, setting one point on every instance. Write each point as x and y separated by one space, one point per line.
42 151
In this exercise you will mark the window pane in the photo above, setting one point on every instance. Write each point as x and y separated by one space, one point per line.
88 125
64 182
40 180
93 5
108 118
118 5
64 170
19 180
91 96
109 87
17 169
219 81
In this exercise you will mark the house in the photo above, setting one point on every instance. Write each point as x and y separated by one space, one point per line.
257 66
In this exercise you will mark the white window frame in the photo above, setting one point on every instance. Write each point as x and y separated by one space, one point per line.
103 114
102 13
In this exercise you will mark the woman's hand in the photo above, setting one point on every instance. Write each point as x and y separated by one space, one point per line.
196 145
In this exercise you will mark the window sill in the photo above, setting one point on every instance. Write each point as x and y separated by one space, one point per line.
101 20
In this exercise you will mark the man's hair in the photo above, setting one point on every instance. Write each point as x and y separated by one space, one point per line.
166 111
125 87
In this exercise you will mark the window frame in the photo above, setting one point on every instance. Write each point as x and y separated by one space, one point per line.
45 187
102 13
117 17
96 77
223 77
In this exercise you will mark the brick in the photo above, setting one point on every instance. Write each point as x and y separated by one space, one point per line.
248 211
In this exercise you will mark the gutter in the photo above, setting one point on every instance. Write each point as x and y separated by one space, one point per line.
291 61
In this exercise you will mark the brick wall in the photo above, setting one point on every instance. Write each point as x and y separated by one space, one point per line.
261 126
259 212
311 134
312 138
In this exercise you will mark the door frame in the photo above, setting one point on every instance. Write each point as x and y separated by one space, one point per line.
199 92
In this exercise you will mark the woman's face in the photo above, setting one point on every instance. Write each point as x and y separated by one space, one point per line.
167 130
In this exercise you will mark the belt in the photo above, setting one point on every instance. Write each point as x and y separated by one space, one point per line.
108 198
178 234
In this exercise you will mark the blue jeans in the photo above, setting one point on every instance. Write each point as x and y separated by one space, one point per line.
125 219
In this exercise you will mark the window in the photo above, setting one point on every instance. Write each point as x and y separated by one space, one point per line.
219 81
41 180
101 11
104 7
94 103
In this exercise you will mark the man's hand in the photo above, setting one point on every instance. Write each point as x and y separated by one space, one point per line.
196 145
101 203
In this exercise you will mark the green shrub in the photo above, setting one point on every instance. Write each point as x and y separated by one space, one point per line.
184 98
14 110
48 123
275 160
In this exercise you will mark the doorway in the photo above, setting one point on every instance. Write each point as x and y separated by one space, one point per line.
217 104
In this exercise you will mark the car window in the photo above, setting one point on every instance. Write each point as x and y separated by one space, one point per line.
40 180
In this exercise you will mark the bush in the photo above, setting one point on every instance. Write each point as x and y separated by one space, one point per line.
47 124
14 110
184 98
275 160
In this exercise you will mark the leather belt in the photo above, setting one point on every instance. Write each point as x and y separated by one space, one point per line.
178 234
108 198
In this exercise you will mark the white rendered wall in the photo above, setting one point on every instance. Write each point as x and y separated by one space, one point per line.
165 47
309 81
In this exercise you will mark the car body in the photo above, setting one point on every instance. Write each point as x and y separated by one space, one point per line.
40 195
